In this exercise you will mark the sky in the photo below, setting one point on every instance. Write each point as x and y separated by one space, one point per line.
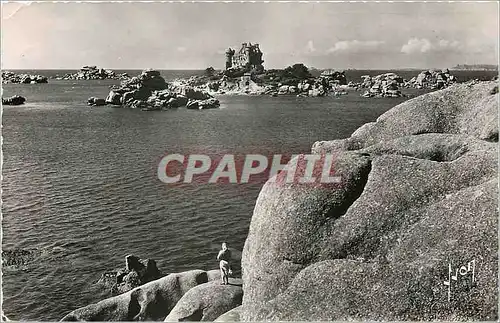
195 35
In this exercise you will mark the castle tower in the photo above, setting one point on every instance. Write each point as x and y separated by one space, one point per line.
229 58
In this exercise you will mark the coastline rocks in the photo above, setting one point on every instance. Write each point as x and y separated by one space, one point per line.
383 85
418 193
14 100
92 73
433 79
149 91
136 272
206 302
150 302
334 78
11 77
114 98
203 104
96 102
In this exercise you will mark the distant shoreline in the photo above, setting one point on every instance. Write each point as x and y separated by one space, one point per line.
455 68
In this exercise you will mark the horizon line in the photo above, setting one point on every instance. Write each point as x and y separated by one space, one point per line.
270 68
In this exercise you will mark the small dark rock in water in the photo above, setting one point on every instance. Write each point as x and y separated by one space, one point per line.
137 272
14 100
96 102
494 90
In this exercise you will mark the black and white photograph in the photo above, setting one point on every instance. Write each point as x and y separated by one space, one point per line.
249 161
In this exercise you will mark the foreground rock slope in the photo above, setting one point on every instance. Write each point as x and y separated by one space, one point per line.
150 302
419 195
206 302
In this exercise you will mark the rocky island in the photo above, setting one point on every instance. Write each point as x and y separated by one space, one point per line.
149 91
92 73
14 100
11 77
244 74
378 246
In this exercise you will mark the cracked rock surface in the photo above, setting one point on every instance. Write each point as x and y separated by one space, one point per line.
419 193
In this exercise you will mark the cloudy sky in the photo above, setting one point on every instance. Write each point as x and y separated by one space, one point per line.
195 35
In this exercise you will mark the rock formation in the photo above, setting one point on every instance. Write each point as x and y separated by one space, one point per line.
433 79
11 77
417 204
136 272
14 100
96 102
150 302
149 91
383 85
206 302
230 316
293 80
92 73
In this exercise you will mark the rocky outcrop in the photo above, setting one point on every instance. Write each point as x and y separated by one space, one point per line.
417 204
95 102
149 91
383 85
150 302
293 80
433 79
93 73
137 272
206 302
14 100
11 77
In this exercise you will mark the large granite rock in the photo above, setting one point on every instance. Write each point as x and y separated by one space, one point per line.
418 196
150 302
206 302
230 316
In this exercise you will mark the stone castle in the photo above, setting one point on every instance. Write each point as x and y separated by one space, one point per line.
249 57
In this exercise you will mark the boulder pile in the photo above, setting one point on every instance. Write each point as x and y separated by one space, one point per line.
92 73
383 85
11 77
14 100
408 234
137 272
149 91
433 79
297 80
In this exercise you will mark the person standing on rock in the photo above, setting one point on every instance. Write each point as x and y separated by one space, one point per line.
224 257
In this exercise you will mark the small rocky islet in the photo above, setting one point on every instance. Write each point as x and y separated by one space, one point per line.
149 91
11 77
92 73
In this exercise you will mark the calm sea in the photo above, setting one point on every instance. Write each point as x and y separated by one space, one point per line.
80 185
